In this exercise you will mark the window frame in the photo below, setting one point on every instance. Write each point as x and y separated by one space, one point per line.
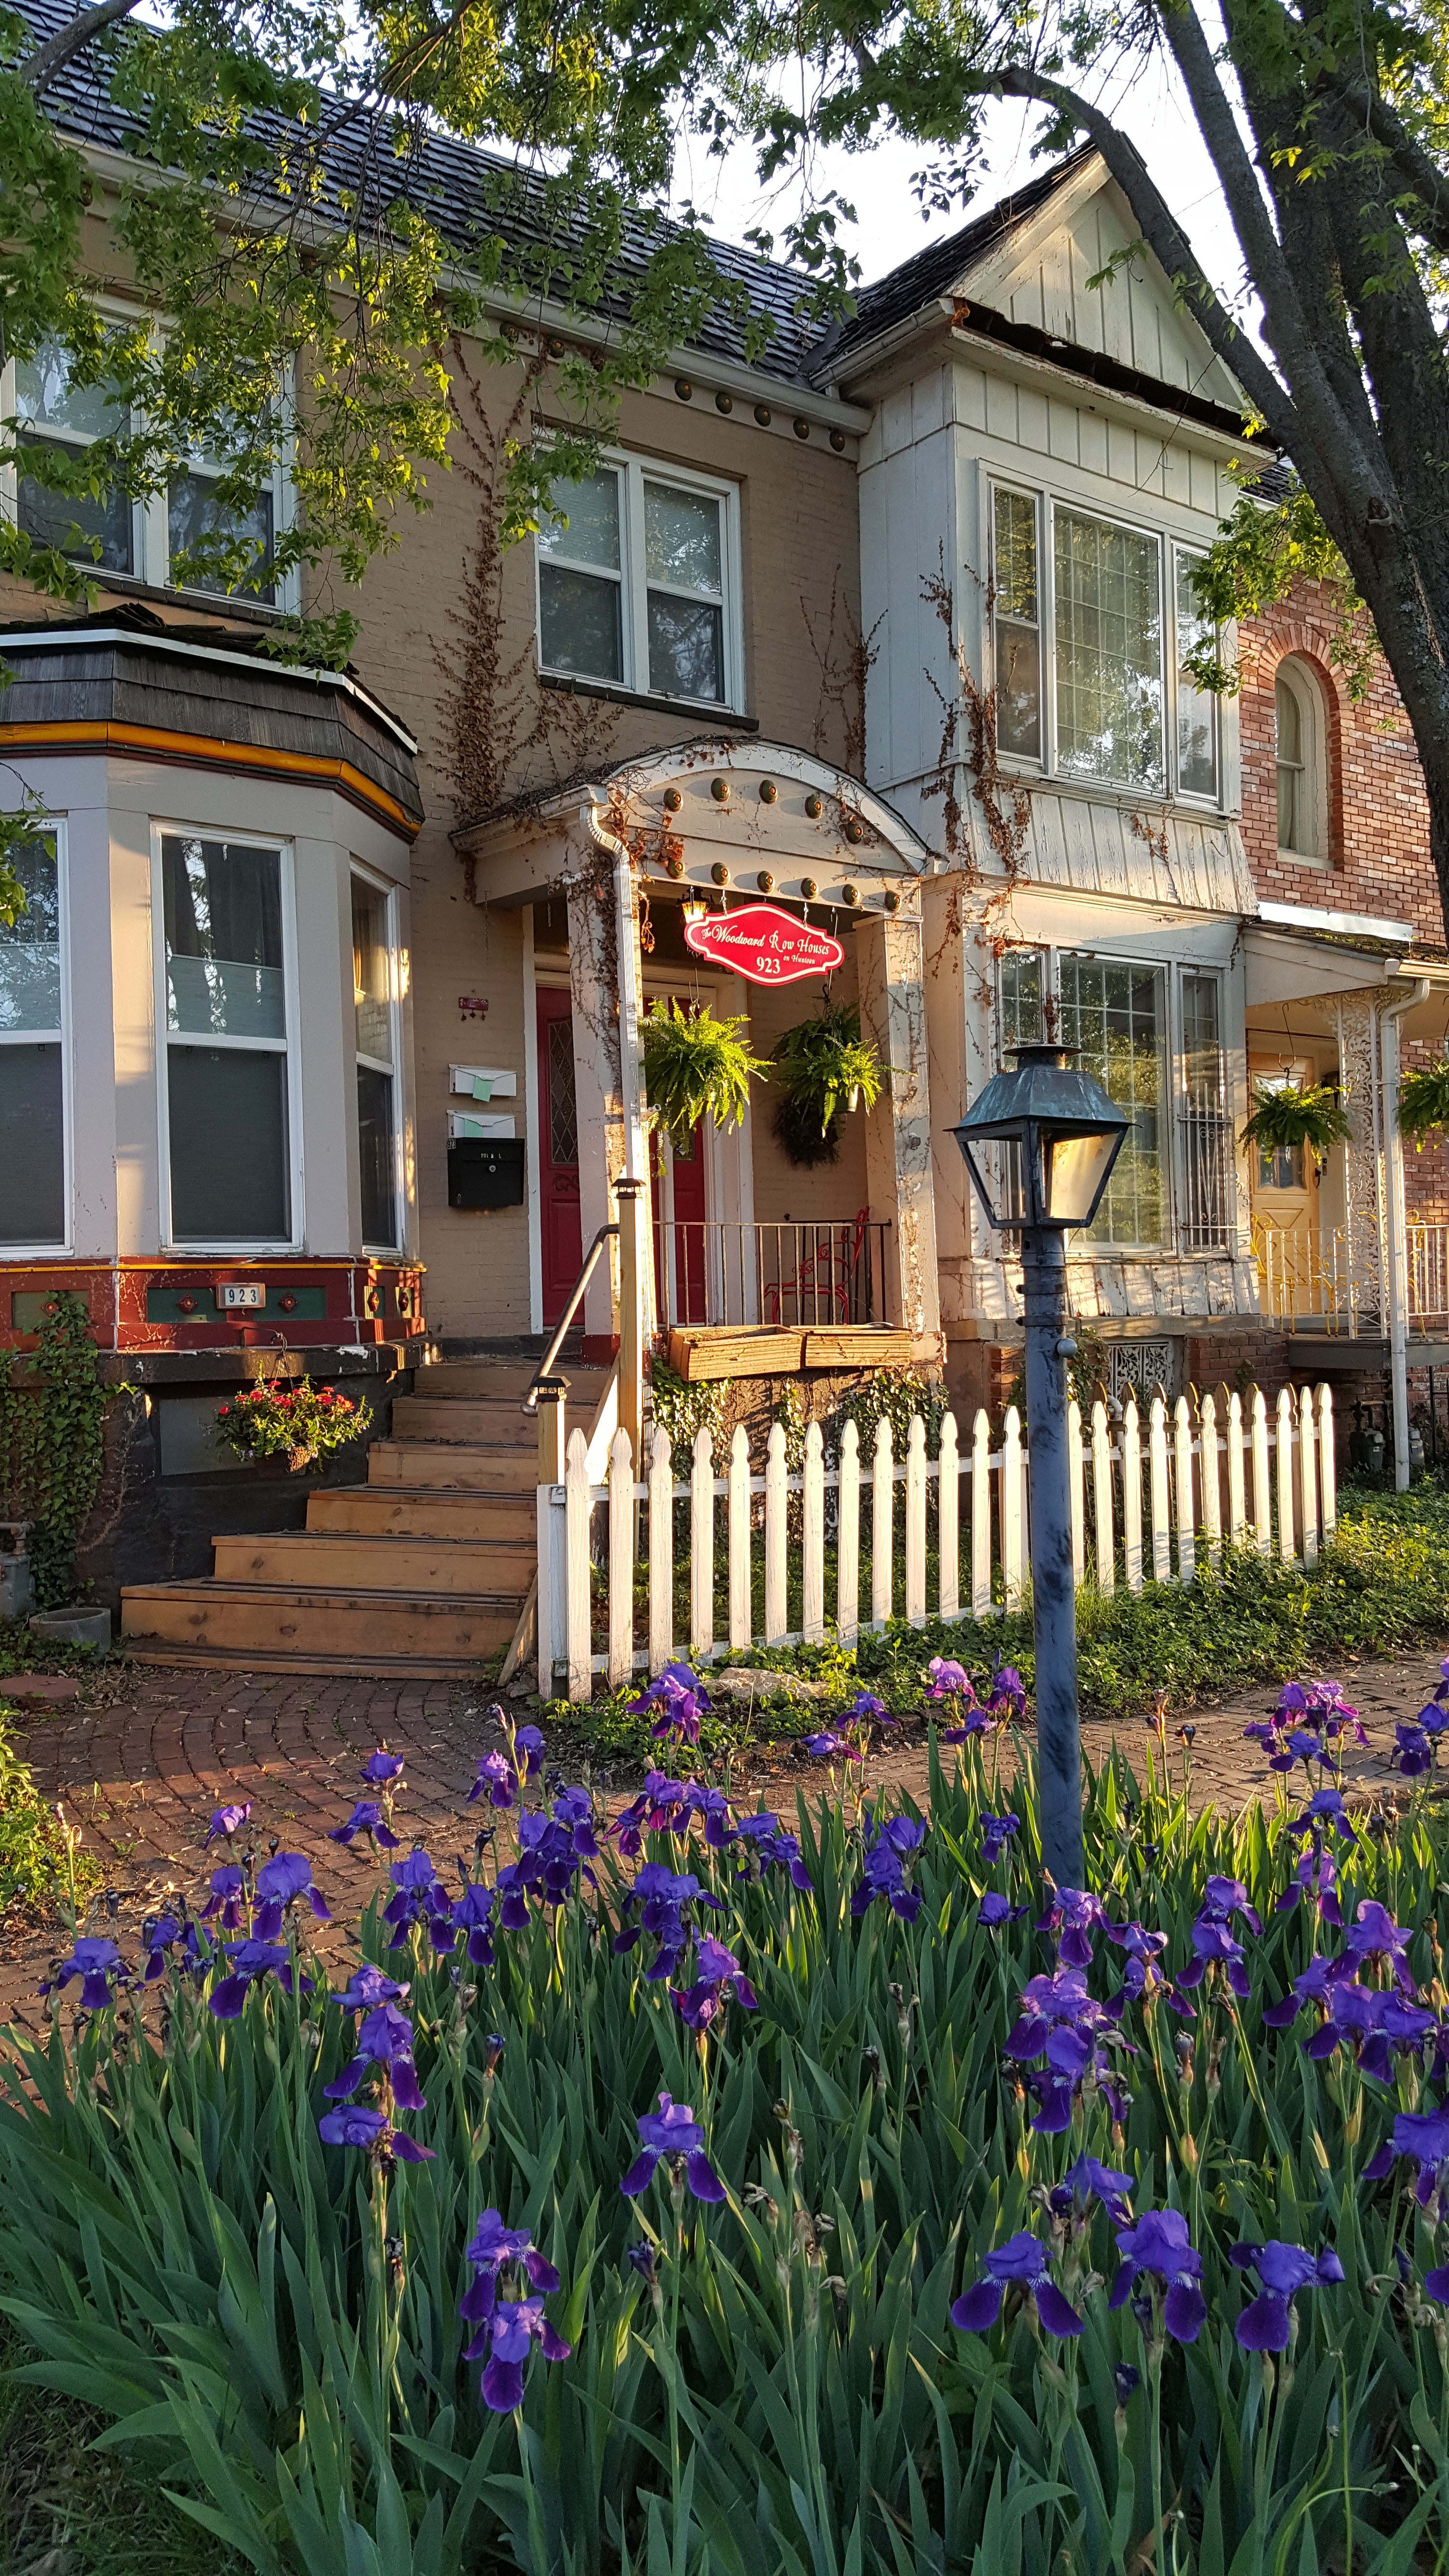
1295 673
1046 502
150 517
633 469
55 824
388 889
289 1047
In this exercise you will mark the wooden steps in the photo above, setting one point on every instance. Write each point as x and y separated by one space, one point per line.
356 1560
246 1617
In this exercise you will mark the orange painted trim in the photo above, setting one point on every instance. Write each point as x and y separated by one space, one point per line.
208 751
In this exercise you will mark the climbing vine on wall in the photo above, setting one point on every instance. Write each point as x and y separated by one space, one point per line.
52 1407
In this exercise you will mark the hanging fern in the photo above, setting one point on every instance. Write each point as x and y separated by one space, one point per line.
1285 1119
696 1066
1424 1101
823 1062
800 1134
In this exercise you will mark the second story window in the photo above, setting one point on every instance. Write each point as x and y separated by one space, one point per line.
640 588
1299 742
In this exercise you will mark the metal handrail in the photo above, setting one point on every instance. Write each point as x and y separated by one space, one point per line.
575 1299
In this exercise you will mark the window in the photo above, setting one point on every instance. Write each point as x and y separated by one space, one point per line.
1108 701
640 587
374 987
227 1100
1023 998
1299 735
1206 1145
32 1086
192 513
1113 1014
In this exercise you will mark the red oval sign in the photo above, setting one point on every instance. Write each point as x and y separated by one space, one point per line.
764 945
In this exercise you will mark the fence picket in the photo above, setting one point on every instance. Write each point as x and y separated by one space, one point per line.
1262 1492
1161 1514
1327 1463
847 1539
1132 1494
777 1559
578 1505
948 1522
701 1547
981 1518
1102 1499
661 1553
741 1614
1074 1484
882 1526
1186 1519
1212 1509
1285 1476
1011 1513
621 1559
916 1522
812 1567
1307 1477
1237 1498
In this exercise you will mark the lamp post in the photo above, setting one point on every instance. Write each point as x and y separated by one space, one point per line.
1068 1135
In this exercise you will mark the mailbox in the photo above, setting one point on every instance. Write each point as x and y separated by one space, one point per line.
485 1172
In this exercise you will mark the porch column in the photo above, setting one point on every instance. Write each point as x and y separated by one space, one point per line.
604 973
1364 1208
898 1129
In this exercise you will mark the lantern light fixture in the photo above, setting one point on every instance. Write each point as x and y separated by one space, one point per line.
1067 1132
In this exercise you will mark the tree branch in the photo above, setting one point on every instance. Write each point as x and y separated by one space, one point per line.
1409 162
40 68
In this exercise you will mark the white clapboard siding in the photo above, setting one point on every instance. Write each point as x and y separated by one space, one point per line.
775 1534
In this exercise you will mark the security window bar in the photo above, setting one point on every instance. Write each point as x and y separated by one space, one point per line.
375 997
1204 1135
32 1072
227 1078
1113 1014
638 583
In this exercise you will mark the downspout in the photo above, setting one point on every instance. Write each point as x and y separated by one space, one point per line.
1395 1221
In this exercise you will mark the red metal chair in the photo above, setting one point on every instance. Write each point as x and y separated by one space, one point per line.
807 1279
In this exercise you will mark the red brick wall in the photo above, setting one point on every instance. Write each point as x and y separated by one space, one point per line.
1378 821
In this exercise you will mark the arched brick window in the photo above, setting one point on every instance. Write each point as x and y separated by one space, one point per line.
1300 724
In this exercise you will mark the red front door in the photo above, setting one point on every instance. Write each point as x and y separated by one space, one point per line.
558 1153
680 1269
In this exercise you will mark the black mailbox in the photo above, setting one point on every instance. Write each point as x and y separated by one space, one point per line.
485 1171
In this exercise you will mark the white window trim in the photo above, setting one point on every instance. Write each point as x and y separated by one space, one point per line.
1166 968
150 524
248 1248
389 892
1307 691
1046 500
633 470
47 826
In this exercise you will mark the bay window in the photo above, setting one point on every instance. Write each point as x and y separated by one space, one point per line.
227 1104
638 583
375 998
32 1070
1085 682
1114 1014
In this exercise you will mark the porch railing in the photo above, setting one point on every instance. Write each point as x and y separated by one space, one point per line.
830 1270
1333 1279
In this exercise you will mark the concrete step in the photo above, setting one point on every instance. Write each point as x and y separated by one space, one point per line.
424 1511
464 1418
503 1381
158 1652
338 1558
343 1629
465 1466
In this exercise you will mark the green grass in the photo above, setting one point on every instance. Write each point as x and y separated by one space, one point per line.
69 2510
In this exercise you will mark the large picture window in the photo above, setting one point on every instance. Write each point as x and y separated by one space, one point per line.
374 992
32 1071
1114 1015
638 583
228 1103
1084 678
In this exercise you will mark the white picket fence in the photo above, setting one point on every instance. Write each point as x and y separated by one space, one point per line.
1153 1509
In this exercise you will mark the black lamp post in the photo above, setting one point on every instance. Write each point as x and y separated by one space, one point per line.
1068 1135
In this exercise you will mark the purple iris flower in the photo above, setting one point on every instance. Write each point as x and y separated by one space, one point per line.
1267 2322
1222 1898
227 1821
281 1882
513 2326
473 1914
418 1896
162 1932
762 1843
996 1833
1375 1935
1325 1813
1264 1731
369 1985
100 1968
382 1770
830 1747
948 1680
1022 2262
1302 1744
657 1810
251 1960
1088 2180
994 1912
384 2040
528 1741
1159 2245
1423 2136
1315 1876
227 1898
573 1809
713 1809
1413 1751
1295 1702
497 1781
1006 1690
1061 2021
1214 1947
674 2133
680 1699
492 2250
718 1974
664 1899
1142 1978
889 1848
1074 1914
356 2124
367 1818
867 1710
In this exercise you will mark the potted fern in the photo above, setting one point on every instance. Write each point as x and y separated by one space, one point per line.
1289 1118
1424 1101
696 1066
820 1065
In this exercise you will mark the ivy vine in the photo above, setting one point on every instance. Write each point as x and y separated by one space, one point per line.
52 1408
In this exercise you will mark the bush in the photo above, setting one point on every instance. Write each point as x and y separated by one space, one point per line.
774 2383
40 1858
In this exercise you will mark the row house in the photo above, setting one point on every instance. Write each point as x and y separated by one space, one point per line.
854 671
